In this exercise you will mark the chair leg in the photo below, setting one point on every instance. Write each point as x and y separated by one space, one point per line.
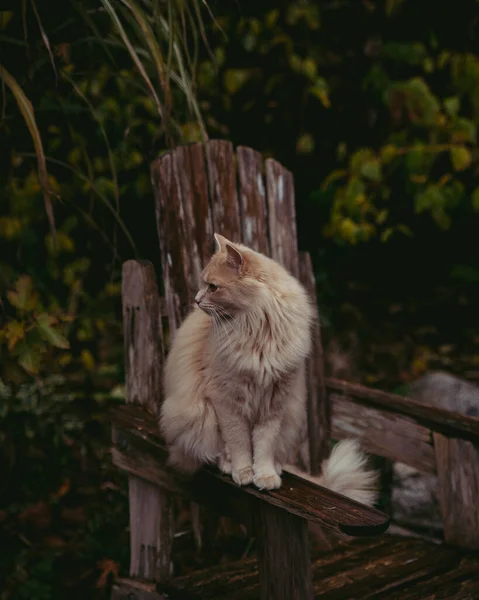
284 557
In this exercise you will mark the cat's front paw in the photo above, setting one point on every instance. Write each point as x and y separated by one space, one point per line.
243 476
224 464
267 480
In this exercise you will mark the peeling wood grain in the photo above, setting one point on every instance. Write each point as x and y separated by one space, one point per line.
131 589
458 580
282 216
143 339
370 574
438 419
190 161
319 420
392 436
151 511
252 195
170 218
221 166
388 568
283 555
458 472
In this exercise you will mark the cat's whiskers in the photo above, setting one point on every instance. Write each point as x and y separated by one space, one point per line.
220 320
212 309
216 332
228 318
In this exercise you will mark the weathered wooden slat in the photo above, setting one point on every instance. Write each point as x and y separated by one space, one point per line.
143 339
319 420
221 166
240 580
175 260
382 433
146 460
297 495
252 195
458 472
438 419
282 216
456 581
190 161
383 568
151 512
130 589
393 566
283 555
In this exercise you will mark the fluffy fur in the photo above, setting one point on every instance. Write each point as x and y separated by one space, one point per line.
346 473
235 391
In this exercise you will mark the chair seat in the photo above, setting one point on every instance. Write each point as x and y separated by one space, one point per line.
390 567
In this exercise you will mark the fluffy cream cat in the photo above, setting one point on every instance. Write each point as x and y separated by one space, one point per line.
235 391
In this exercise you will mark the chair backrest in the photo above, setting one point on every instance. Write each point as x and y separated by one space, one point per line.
202 189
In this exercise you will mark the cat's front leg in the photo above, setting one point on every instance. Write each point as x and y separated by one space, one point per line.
224 461
236 434
265 435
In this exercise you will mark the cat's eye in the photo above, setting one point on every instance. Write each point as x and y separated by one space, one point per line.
212 287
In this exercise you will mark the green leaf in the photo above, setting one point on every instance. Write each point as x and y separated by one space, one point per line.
388 153
461 158
466 273
320 89
386 234
14 332
235 79
29 356
371 169
305 144
23 297
382 216
413 53
422 106
45 326
452 105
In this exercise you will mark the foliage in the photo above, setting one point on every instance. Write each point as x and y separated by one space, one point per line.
387 114
372 105
65 507
101 88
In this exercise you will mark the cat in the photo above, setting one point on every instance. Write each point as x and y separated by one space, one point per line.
235 386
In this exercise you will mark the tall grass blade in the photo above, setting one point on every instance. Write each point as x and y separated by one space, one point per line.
96 191
28 114
116 20
91 24
45 39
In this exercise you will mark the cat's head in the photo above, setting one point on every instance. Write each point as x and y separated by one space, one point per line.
233 281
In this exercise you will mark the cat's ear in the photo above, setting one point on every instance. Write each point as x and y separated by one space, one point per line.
220 242
235 258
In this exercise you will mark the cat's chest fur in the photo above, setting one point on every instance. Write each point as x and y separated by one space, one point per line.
246 380
251 397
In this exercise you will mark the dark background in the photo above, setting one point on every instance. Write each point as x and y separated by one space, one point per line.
373 105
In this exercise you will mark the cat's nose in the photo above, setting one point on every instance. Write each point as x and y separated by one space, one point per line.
198 297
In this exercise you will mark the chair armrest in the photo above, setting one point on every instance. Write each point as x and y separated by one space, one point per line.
138 449
437 419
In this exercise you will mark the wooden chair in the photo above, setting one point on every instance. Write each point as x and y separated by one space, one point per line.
200 190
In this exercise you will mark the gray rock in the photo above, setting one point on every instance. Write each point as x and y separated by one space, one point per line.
414 495
447 391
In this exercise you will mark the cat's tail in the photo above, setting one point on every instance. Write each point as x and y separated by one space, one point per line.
346 472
